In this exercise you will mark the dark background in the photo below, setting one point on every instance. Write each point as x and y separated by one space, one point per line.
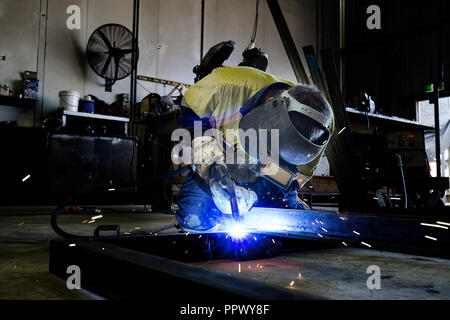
395 63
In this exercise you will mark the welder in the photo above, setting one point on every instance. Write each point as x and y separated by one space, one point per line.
234 100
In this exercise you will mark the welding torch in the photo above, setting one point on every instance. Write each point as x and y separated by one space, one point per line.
221 173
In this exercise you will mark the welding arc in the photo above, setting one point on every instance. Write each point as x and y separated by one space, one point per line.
71 200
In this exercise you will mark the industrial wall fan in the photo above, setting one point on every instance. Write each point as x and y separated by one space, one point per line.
110 53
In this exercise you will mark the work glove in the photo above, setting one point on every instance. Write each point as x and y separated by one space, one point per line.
206 151
245 198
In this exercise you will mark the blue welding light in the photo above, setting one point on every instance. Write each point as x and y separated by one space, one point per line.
237 232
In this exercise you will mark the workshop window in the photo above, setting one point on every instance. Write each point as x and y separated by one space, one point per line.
425 115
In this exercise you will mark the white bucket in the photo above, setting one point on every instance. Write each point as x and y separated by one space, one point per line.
69 99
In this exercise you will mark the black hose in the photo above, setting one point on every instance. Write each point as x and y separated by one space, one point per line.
56 227
71 200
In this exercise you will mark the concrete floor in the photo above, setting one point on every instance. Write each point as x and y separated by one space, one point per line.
333 273
340 274
24 249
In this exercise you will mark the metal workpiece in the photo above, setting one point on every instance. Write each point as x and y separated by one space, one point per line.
142 267
395 232
282 254
117 272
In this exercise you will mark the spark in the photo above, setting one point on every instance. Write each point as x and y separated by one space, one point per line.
343 219
21 224
26 178
324 229
344 244
92 221
431 238
186 252
343 129
300 275
443 223
292 283
255 238
366 244
97 217
200 236
72 245
188 233
357 233
126 233
320 235
433 226
85 221
273 241
137 228
239 268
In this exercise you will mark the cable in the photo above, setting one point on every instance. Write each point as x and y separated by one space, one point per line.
131 170
142 86
400 164
164 228
71 200
255 25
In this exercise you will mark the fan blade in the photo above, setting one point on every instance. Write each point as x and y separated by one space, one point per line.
105 39
116 74
106 66
127 51
125 68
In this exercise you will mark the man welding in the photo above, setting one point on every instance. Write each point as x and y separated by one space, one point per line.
234 100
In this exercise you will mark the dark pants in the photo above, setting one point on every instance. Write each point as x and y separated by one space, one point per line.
198 211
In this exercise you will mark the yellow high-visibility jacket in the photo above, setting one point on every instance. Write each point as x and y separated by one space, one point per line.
221 94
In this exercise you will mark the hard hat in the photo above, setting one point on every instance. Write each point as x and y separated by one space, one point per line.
289 116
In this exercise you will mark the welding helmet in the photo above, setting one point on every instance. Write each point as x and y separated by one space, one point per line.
281 113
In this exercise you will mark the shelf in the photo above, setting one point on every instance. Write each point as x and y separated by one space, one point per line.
17 102
389 118
94 116
67 113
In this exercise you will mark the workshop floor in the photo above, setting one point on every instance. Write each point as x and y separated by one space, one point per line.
342 274
333 273
24 249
